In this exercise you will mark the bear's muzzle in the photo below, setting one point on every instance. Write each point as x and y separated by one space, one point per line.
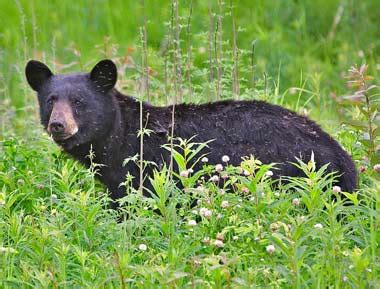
62 124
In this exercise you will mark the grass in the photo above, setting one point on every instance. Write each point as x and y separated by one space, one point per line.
57 233
55 228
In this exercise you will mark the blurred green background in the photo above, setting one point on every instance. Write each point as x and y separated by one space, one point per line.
295 41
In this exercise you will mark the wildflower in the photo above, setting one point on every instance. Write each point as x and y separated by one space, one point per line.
225 204
362 169
318 226
270 249
345 278
208 214
54 198
274 227
205 212
224 176
192 223
202 211
222 192
196 262
218 243
244 190
143 247
302 218
206 240
235 238
269 173
368 270
219 216
184 174
190 171
219 168
204 160
351 267
336 189
296 202
214 178
376 167
246 173
220 236
225 158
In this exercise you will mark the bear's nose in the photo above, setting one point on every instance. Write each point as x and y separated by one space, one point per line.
57 127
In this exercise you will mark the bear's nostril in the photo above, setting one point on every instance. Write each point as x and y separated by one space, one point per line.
57 127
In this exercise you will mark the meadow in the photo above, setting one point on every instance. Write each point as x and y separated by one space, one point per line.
319 58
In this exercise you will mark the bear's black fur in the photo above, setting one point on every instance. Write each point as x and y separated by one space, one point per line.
102 118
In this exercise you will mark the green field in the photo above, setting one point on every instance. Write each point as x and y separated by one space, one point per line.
55 228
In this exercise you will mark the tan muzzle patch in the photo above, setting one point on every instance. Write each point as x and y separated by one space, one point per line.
62 115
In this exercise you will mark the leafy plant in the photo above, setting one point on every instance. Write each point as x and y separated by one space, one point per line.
365 117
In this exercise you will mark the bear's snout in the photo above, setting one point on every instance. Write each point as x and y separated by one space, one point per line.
57 127
62 124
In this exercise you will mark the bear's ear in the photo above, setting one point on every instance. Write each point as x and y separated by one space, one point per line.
37 74
104 75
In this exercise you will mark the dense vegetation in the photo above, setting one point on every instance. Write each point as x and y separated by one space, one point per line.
55 228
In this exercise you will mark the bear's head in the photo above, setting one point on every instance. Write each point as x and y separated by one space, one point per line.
75 109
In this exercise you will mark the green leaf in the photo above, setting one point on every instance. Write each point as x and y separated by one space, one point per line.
375 158
366 142
353 197
356 124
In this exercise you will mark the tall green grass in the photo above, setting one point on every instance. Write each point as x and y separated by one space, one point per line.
55 228
56 232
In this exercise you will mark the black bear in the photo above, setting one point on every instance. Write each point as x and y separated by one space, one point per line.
84 111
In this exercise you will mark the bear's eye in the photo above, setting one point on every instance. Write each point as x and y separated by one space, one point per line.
77 102
51 99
